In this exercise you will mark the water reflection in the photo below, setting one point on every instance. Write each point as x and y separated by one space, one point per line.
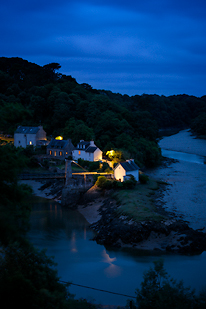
113 270
66 235
73 242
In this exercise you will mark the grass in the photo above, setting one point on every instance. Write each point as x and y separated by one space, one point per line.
138 204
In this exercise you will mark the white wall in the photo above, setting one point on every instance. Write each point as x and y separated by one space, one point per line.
135 174
119 173
87 156
23 140
97 155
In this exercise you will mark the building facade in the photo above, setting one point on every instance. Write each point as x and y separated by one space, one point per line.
124 169
60 149
25 136
87 151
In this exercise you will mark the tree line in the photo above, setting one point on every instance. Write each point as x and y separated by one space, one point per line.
31 94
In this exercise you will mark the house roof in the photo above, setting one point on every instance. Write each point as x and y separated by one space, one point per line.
91 149
83 143
60 144
27 130
129 166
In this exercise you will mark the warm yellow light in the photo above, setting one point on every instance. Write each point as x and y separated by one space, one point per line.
59 138
110 153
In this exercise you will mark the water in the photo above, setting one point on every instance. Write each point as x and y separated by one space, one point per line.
66 235
188 157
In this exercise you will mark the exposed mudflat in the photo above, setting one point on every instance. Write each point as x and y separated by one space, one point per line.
184 141
186 194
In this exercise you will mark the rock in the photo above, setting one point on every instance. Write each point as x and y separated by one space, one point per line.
172 235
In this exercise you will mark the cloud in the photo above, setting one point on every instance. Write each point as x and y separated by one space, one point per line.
132 42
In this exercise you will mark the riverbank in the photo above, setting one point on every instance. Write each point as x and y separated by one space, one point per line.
143 223
168 235
46 189
184 141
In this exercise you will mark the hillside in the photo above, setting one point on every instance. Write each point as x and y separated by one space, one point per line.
31 94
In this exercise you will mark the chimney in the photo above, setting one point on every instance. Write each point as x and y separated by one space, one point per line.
92 143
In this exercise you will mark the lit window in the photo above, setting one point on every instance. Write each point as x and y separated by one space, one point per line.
60 153
30 143
50 152
79 152
55 153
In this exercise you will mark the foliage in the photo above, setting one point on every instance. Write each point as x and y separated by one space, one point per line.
143 178
30 94
159 291
89 165
27 276
101 182
104 183
199 124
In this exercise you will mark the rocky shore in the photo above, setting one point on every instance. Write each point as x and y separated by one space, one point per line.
170 235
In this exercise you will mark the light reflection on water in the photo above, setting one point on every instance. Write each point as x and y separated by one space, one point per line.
66 235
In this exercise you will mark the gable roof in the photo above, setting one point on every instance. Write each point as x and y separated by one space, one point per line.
129 166
91 149
27 130
86 146
60 144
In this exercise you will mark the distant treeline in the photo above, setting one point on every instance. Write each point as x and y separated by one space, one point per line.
31 94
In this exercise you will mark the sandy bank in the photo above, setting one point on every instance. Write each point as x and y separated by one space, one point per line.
91 211
37 185
184 142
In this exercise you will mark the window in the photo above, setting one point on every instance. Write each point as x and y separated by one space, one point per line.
30 143
55 153
79 152
60 153
50 152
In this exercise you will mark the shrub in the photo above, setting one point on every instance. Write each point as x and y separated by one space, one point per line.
143 178
101 181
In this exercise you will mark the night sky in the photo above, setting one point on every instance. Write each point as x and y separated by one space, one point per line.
130 47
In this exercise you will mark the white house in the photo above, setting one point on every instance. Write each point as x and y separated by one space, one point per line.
25 136
87 151
124 169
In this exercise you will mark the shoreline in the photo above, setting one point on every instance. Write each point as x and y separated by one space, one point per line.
179 201
170 235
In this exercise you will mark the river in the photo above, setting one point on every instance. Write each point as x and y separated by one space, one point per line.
66 235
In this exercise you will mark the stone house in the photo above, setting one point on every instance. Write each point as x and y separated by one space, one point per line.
87 151
124 169
60 149
25 136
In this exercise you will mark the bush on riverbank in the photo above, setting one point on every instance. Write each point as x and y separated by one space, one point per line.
104 183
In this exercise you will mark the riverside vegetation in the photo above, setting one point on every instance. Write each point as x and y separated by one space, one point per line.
31 94
30 276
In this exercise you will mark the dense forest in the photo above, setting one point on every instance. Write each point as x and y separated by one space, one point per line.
31 94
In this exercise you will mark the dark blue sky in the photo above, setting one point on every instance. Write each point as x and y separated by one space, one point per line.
125 46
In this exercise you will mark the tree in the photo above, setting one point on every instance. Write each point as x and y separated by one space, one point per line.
160 292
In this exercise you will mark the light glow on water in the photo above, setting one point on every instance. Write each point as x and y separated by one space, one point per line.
66 235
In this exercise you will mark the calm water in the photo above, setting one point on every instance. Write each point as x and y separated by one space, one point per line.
188 157
66 235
